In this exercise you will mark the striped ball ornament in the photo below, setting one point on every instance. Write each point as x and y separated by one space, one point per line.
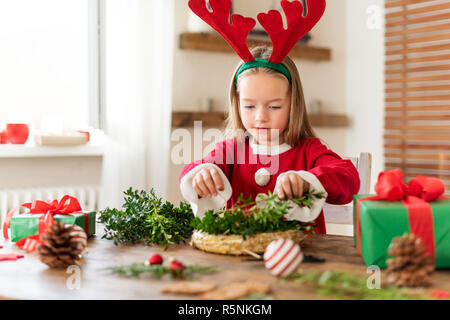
282 257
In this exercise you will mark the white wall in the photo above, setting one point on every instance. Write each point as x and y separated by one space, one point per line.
365 79
326 80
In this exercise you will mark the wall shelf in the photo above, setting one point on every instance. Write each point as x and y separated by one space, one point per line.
215 43
34 151
216 119
329 120
186 118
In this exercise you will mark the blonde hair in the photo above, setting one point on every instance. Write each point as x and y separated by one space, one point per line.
298 127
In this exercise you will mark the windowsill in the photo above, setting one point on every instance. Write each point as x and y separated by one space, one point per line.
36 151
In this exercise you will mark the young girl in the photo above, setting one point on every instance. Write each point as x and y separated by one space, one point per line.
272 148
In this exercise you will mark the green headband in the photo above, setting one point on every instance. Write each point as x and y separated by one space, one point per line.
263 63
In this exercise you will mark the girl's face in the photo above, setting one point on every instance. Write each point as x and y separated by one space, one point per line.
264 105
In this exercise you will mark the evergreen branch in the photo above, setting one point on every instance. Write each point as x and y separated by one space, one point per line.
249 217
344 285
257 296
138 269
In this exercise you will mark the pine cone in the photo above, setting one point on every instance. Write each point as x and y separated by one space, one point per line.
63 245
410 265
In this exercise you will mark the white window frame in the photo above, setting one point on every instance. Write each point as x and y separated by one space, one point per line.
96 80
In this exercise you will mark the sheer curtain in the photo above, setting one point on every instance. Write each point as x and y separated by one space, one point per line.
158 40
138 92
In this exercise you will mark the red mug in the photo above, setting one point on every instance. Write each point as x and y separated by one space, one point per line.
3 139
17 133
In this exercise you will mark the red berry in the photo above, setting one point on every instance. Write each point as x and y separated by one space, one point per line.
176 267
155 259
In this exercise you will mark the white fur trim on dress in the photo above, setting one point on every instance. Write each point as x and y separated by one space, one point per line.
305 214
200 206
265 150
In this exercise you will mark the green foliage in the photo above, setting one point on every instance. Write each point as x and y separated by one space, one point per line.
148 219
145 218
158 271
257 296
249 217
344 285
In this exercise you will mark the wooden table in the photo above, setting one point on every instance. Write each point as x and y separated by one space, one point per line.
28 278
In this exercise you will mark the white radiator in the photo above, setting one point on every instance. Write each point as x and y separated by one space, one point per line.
87 196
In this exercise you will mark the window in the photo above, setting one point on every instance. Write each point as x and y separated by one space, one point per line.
49 63
417 129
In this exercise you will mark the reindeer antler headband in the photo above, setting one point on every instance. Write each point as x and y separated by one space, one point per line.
283 40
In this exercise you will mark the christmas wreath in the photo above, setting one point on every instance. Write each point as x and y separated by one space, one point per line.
249 226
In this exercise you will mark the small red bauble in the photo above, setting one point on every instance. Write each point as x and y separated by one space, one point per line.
176 267
155 259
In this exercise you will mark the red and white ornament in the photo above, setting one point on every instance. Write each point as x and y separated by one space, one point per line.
282 257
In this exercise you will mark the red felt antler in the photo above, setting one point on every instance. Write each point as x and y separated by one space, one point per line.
235 33
297 26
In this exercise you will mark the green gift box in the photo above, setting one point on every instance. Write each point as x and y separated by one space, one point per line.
382 221
26 224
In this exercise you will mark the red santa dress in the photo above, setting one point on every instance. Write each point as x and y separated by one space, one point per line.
251 169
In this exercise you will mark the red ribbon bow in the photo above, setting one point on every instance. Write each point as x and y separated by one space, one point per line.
415 196
390 187
66 206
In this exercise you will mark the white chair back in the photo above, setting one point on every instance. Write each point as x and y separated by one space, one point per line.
339 218
363 164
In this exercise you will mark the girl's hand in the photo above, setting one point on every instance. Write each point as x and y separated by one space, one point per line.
291 186
207 182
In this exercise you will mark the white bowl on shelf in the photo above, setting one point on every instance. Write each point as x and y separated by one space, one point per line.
73 139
